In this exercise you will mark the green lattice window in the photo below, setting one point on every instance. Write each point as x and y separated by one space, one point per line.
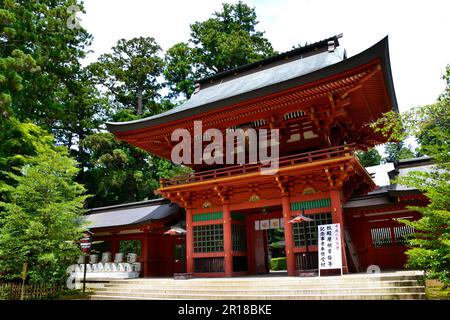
239 237
208 238
311 204
207 216
311 229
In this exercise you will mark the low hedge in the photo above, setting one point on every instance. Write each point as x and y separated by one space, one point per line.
278 263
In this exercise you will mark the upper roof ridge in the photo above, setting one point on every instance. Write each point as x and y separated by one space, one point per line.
309 49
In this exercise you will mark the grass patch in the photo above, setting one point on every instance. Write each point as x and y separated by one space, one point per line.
435 290
74 295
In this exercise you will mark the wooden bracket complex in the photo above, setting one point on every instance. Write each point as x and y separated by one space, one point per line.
222 193
283 184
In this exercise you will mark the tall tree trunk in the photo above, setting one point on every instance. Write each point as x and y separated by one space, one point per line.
81 158
139 102
69 141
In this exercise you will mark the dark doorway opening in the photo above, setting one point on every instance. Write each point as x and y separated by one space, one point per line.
276 250
265 240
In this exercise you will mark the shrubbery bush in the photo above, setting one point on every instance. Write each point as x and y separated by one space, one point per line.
278 263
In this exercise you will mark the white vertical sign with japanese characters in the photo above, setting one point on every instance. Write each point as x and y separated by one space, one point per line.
329 240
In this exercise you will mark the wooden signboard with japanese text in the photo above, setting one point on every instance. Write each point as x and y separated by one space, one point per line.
329 243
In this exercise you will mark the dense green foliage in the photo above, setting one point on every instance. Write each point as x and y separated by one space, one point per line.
18 142
275 239
179 70
36 32
430 125
130 73
225 41
130 246
119 173
41 222
11 69
369 158
397 151
278 263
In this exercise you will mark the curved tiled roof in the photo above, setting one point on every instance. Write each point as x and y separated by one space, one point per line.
131 214
272 78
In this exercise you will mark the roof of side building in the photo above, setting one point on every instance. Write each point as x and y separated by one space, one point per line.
130 214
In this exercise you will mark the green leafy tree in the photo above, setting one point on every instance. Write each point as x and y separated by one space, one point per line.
36 41
13 62
369 158
11 68
229 39
178 71
86 112
276 242
120 173
130 74
116 172
18 142
397 151
41 222
225 41
41 78
430 246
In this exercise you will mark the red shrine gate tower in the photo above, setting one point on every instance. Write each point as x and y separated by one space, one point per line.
322 103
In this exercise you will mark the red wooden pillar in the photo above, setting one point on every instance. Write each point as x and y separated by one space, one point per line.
338 217
288 237
189 241
145 249
227 240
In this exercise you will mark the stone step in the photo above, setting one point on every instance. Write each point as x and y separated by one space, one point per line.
261 291
352 296
284 280
394 285
274 285
256 283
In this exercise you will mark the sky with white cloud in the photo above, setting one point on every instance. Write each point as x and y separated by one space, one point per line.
418 31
